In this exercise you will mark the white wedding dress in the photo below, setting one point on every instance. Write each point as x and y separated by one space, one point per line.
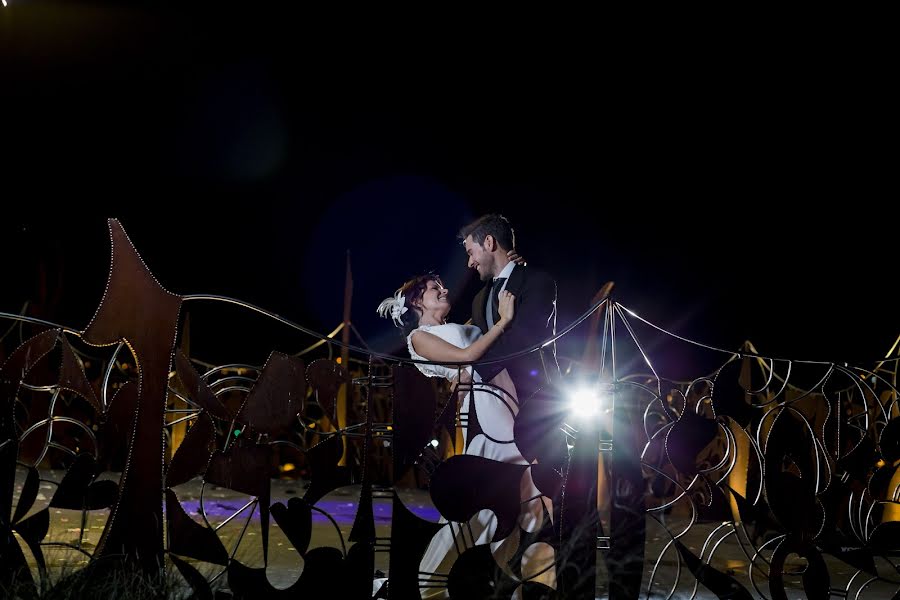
496 406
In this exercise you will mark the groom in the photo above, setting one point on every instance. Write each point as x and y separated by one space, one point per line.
487 242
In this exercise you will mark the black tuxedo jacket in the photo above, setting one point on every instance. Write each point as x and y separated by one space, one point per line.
534 322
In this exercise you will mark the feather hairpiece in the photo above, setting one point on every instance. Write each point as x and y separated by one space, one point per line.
393 307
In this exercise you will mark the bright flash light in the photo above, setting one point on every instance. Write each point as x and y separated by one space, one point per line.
4 3
586 402
434 443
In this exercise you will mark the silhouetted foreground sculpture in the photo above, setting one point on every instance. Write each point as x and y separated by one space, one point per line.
786 458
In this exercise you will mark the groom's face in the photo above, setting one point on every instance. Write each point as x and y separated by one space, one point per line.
479 259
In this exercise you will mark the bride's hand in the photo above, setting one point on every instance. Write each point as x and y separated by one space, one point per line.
513 256
507 306
464 378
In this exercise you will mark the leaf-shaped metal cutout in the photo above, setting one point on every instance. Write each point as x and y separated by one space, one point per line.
28 494
687 438
189 538
889 441
546 479
322 572
27 355
246 468
8 451
475 574
546 535
325 474
325 378
729 398
71 491
356 575
198 582
136 309
78 491
33 530
194 452
816 579
14 571
464 485
197 389
72 377
243 468
114 433
720 584
410 536
537 429
295 521
277 397
13 371
532 590
413 416
886 537
879 485
793 503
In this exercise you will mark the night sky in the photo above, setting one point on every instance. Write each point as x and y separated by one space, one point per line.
245 153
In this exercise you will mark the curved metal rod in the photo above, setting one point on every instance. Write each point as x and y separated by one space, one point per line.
58 419
70 546
683 493
288 443
759 462
740 354
336 528
183 398
864 413
730 457
51 325
68 451
862 385
659 558
749 541
231 388
328 337
864 586
674 335
232 378
237 542
784 386
104 394
618 311
712 552
210 372
235 514
181 419
806 393
47 442
14 323
38 388
753 562
391 357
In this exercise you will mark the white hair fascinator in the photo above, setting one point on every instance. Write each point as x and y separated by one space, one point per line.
393 306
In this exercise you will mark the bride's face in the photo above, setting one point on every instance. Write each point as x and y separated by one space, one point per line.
435 300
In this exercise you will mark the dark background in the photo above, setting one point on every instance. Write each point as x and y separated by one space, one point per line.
729 194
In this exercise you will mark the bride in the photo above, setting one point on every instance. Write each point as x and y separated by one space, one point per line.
420 308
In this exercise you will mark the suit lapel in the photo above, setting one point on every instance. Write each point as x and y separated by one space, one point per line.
478 314
516 280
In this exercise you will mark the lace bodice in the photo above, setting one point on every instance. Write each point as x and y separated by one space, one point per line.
461 336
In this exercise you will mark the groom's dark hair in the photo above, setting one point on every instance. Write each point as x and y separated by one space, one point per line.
494 225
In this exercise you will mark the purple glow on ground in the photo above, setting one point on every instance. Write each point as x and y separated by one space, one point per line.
342 511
